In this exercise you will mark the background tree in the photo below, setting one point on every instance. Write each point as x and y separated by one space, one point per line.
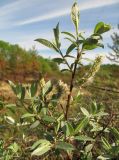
114 56
17 63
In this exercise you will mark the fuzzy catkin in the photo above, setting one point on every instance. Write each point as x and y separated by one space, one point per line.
93 70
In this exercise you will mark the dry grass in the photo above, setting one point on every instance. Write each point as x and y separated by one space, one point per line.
6 93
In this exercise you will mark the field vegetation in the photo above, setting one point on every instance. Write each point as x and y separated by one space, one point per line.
52 114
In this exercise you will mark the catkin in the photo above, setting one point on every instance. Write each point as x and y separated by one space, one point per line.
92 71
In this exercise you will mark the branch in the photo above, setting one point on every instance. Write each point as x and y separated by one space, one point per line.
72 81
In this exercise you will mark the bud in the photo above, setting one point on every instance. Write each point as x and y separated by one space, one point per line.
75 15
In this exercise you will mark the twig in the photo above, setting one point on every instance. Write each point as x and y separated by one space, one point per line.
72 81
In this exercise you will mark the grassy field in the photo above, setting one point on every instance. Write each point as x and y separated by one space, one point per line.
104 87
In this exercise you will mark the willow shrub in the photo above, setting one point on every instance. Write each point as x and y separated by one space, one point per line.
45 130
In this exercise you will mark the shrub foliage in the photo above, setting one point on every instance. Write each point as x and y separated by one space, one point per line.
40 126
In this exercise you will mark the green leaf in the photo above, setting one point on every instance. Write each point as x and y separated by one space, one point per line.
22 93
81 124
115 132
14 147
69 34
35 124
27 115
71 47
56 34
90 44
41 150
93 108
103 158
88 148
13 86
64 146
65 70
37 143
69 129
58 60
33 89
47 44
47 88
60 117
101 28
106 144
11 107
18 90
97 36
83 138
9 120
48 119
75 15
85 112
42 146
68 56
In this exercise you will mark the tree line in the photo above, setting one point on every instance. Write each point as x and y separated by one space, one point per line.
19 64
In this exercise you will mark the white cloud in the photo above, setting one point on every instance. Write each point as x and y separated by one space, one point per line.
11 10
48 16
96 3
16 6
66 10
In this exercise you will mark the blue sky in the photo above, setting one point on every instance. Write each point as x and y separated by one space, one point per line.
22 21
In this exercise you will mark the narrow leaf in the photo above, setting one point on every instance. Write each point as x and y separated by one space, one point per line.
9 120
65 146
115 131
88 148
83 138
47 44
22 93
37 143
27 115
33 89
48 119
56 34
65 70
106 144
35 124
71 47
43 147
69 129
47 88
81 124
85 112
69 34
58 60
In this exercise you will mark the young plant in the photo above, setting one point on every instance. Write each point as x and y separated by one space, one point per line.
46 130
81 45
